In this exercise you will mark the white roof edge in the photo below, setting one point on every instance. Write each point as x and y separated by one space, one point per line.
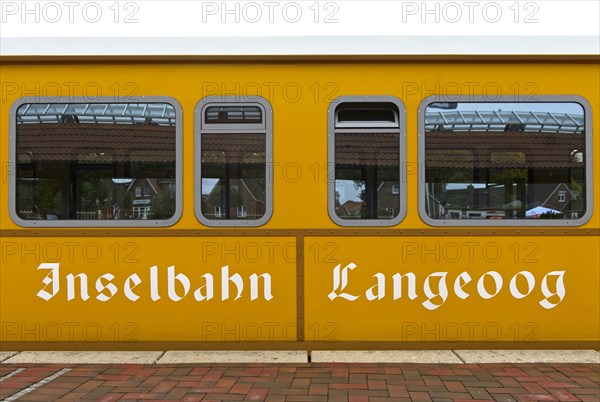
302 45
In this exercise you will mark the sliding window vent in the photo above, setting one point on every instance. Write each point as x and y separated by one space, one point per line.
233 115
367 115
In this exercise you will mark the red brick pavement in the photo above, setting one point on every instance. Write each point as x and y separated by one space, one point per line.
308 382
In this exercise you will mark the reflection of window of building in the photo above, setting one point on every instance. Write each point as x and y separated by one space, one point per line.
364 154
235 154
95 161
504 162
141 213
562 196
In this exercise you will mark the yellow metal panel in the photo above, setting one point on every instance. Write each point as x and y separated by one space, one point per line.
478 310
29 314
300 94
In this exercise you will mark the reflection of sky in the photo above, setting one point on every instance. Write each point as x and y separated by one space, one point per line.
463 186
208 185
122 181
347 191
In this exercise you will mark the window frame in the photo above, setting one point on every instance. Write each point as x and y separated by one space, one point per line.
65 223
331 127
589 191
237 128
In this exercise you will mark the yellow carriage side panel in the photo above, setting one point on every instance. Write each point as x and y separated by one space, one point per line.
148 289
300 93
415 289
546 285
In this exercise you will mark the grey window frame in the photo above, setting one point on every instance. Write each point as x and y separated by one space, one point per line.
331 129
509 222
265 127
12 159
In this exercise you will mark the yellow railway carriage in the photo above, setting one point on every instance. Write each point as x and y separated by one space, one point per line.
306 201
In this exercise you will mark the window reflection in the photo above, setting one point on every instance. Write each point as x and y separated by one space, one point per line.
81 161
505 161
233 176
235 158
368 189
367 157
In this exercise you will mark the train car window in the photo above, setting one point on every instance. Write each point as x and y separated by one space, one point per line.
366 152
234 161
103 163
506 163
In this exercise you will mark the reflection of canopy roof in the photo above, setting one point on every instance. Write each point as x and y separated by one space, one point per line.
123 113
116 142
503 149
484 120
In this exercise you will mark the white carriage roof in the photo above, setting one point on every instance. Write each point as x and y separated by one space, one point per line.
305 46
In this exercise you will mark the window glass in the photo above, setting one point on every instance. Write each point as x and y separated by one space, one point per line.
234 143
366 152
505 161
366 171
95 161
233 175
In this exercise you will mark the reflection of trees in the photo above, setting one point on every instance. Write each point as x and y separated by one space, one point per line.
578 188
506 188
551 215
374 188
95 191
508 178
163 205
42 197
450 175
359 187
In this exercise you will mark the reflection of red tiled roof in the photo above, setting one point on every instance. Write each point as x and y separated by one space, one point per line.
502 149
367 149
121 142
233 148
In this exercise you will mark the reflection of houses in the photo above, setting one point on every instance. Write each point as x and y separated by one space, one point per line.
81 170
558 197
488 202
236 163
503 174
245 197
350 209
387 203
142 193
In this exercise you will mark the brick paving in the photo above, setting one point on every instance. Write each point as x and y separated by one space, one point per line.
307 382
